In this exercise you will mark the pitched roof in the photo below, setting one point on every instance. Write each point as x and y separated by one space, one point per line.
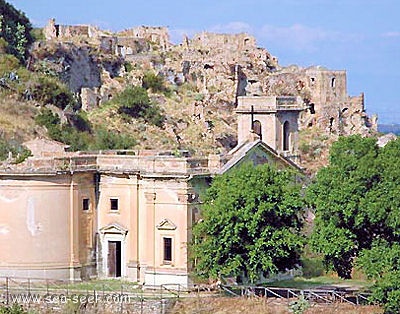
245 150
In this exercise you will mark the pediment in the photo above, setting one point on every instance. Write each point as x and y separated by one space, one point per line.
257 153
114 228
166 224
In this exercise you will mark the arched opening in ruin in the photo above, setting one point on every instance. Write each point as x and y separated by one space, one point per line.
257 128
286 136
331 121
312 108
333 82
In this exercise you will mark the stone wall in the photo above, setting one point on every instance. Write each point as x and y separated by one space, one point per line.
157 35
53 30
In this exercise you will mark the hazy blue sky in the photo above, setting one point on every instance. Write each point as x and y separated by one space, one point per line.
361 36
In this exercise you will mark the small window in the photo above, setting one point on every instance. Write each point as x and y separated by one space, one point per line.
85 204
333 82
114 203
257 128
167 250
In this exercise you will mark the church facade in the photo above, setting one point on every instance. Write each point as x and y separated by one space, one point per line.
126 214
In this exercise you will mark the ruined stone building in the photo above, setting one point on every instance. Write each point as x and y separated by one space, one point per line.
224 66
53 30
331 109
125 214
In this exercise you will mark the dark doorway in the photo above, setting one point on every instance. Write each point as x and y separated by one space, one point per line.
114 258
286 136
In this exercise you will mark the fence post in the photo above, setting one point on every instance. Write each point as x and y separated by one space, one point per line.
7 291
29 293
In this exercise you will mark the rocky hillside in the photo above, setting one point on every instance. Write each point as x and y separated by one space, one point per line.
79 79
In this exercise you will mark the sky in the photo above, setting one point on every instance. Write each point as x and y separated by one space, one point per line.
359 36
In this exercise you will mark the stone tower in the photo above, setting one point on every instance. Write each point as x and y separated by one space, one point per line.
274 119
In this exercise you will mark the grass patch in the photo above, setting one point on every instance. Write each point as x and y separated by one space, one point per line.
321 281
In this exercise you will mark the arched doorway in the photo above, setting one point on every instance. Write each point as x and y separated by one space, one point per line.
286 136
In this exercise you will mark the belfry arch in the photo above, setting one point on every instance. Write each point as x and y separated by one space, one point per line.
286 136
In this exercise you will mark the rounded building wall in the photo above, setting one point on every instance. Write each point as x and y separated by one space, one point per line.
35 226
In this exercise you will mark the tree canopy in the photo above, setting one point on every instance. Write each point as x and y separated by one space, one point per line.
251 224
355 201
15 29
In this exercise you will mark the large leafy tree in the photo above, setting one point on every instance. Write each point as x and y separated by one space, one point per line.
251 224
15 29
355 201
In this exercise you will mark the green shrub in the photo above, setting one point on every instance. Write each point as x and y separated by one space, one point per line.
80 121
13 309
135 102
18 152
299 306
128 66
199 97
106 139
8 63
46 118
153 82
37 34
50 90
63 133
78 135
312 267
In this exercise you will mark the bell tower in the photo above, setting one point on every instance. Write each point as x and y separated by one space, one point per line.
273 119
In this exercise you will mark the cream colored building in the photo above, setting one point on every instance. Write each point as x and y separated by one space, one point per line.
125 214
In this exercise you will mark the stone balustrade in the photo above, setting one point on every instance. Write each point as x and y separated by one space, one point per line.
113 162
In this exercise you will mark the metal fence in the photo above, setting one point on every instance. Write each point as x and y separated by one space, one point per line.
311 295
118 296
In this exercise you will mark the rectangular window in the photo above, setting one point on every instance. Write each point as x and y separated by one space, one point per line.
85 204
114 203
167 250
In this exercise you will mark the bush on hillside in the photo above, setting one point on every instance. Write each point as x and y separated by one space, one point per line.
153 81
18 152
79 135
50 91
135 102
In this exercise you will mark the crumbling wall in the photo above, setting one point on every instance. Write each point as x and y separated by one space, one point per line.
331 109
157 35
53 30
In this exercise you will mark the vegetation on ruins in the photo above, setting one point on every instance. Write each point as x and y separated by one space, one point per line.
250 224
13 149
134 102
81 136
153 81
50 91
